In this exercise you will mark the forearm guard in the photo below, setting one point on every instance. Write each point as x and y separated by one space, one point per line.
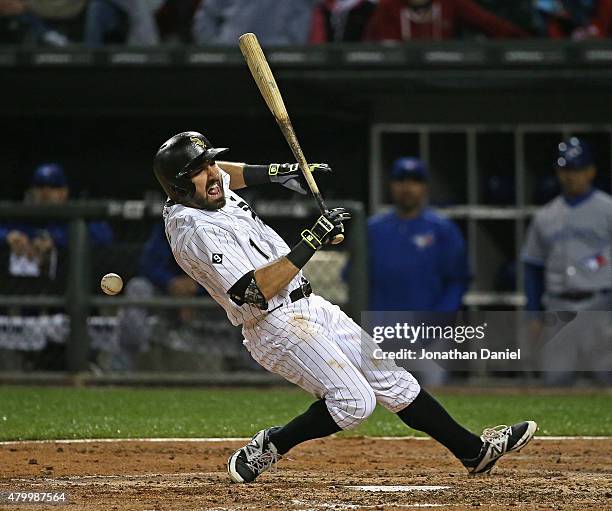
246 290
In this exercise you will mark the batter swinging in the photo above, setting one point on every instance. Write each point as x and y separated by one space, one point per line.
250 271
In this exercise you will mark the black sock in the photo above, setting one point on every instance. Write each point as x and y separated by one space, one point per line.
427 415
316 422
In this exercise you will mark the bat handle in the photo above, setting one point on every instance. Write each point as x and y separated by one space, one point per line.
338 238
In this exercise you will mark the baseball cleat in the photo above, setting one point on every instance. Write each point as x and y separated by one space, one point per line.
254 458
498 441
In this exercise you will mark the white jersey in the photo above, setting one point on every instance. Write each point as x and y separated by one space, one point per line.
216 248
309 341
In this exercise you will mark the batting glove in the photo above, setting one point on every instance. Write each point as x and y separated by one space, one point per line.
290 176
326 228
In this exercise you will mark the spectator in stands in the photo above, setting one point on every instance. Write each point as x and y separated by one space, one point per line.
33 247
340 20
23 22
11 30
577 19
12 7
222 22
404 20
175 19
130 22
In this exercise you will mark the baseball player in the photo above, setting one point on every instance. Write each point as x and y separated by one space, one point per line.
417 258
251 272
568 262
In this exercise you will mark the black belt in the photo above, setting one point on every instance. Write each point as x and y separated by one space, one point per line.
576 296
304 291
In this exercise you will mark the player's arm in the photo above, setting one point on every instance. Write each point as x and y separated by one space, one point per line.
455 270
257 287
236 173
261 285
288 175
533 256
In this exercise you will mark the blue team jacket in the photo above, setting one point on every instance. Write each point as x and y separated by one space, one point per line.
418 264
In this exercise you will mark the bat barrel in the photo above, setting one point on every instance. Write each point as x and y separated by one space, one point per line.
262 74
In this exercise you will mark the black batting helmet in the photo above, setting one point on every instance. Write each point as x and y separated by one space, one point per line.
179 159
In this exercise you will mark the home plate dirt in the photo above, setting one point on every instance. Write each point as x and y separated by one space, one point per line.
125 476
391 488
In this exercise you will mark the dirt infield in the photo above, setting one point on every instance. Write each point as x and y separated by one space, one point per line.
552 474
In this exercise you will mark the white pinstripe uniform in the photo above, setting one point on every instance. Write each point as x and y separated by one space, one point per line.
309 342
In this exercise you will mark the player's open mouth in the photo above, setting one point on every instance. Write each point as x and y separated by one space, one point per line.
214 191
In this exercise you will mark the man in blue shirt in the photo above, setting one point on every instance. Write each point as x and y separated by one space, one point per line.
158 265
33 246
417 258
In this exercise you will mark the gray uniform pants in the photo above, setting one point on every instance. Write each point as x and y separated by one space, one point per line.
583 343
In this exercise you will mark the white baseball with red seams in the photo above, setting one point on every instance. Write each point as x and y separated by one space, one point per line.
111 284
309 342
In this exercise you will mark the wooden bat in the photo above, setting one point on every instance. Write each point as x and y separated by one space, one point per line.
256 60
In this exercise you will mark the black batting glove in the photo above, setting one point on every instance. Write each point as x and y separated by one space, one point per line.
326 228
290 176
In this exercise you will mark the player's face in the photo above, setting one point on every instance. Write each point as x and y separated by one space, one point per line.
409 195
49 194
209 187
576 182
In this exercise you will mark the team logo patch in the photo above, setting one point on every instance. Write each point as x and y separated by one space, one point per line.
424 240
198 141
217 258
596 262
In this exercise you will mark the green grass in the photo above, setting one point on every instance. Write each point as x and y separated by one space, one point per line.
51 413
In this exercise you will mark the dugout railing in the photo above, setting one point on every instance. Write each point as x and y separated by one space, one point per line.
490 179
85 308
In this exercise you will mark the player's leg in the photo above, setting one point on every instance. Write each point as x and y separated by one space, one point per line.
315 422
398 391
302 352
559 351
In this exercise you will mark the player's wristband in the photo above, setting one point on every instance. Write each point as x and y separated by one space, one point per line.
256 175
300 254
312 240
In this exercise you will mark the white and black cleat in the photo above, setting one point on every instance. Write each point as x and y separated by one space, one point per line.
254 458
498 441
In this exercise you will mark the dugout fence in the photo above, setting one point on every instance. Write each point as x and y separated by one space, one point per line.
490 179
54 317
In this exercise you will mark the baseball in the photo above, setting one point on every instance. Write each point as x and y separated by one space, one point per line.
111 283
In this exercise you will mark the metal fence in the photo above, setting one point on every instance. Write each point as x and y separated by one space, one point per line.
53 315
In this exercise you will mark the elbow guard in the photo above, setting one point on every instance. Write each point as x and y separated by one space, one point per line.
246 290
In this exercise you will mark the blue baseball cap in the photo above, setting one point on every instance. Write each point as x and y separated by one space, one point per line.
49 174
409 168
574 154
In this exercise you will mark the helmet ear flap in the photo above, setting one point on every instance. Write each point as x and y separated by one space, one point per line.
184 191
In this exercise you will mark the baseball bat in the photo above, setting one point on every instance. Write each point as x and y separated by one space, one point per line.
262 74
